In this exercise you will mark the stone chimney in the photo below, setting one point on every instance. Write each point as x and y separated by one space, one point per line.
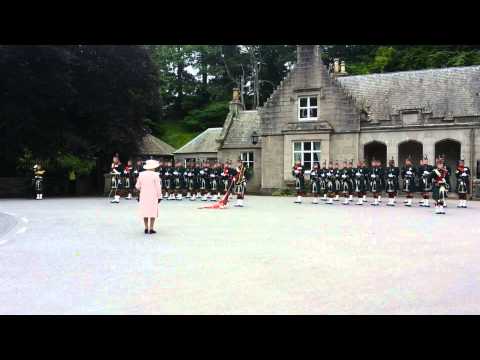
236 103
336 65
339 68
307 54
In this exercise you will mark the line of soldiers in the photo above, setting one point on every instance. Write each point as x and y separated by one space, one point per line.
203 181
329 183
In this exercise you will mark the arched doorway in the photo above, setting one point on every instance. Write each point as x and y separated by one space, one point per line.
411 148
451 150
375 149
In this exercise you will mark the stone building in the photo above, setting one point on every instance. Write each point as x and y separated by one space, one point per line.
319 114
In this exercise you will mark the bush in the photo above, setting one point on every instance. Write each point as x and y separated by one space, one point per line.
213 115
72 162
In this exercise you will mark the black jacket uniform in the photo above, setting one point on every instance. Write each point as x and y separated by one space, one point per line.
345 175
299 173
463 180
391 181
409 174
425 178
375 179
358 180
330 180
337 180
366 178
315 180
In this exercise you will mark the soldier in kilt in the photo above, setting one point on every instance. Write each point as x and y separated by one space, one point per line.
359 182
137 169
215 178
462 174
425 181
168 178
128 179
376 186
204 180
197 180
439 186
323 181
337 181
409 174
299 173
117 183
218 174
38 174
224 175
350 179
392 174
240 180
345 174
366 180
330 183
315 182
177 181
191 181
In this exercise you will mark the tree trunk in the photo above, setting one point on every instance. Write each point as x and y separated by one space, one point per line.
179 99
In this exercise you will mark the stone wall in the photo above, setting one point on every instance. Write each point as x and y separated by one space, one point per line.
344 147
272 162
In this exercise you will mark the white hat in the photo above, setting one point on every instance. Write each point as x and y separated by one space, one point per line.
151 164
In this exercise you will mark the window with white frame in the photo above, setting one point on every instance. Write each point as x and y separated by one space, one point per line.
308 152
247 159
307 108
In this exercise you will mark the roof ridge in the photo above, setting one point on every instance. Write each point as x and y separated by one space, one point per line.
412 71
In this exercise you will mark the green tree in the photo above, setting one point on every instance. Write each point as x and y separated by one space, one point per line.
86 101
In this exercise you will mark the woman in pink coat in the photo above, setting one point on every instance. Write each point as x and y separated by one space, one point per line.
150 188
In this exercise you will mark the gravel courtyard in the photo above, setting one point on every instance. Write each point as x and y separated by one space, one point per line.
87 256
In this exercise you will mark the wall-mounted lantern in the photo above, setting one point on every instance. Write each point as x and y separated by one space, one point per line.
254 138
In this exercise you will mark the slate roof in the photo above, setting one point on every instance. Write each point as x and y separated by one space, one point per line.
241 129
448 91
206 142
152 145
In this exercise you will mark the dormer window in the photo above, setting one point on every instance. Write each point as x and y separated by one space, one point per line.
307 108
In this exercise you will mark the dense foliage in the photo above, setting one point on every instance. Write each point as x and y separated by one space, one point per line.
82 101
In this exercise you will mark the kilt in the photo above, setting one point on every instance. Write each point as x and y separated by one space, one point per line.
437 192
